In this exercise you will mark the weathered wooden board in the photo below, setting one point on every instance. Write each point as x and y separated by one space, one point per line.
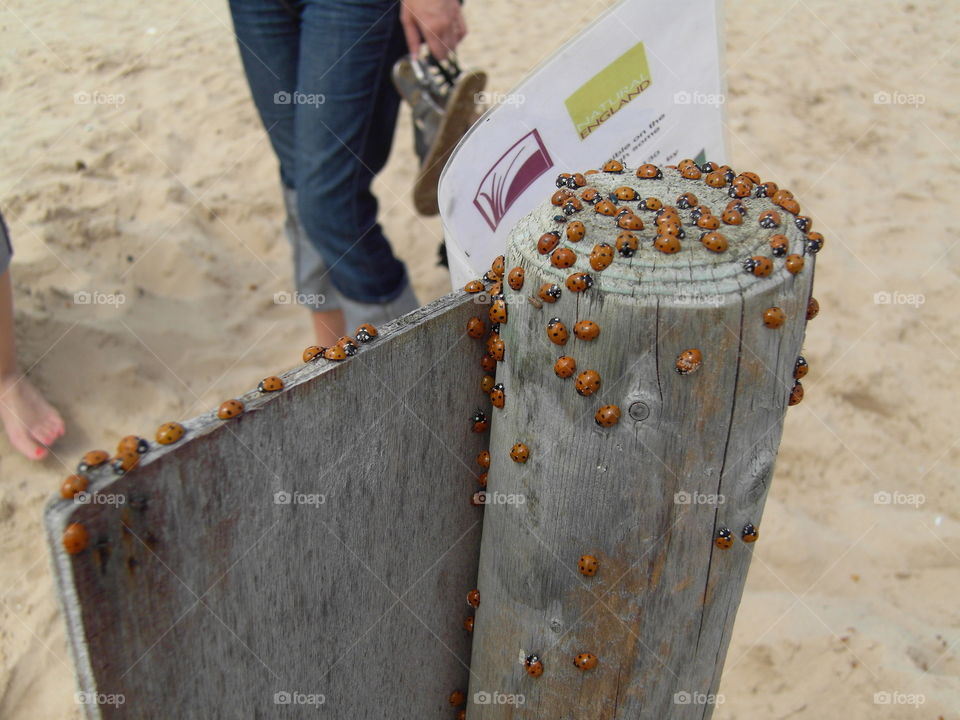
642 496
205 595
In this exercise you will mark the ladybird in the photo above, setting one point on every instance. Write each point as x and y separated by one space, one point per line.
169 433
483 459
519 453
800 368
92 459
686 201
758 265
651 203
627 244
591 195
476 327
557 331
495 347
474 286
752 177
75 538
588 382
769 219
813 308
457 698
774 317
563 258
585 661
473 598
462 715
335 353
486 383
689 361
714 241
479 420
575 231
313 352
814 243
779 244
72 485
124 462
134 444
668 244
562 179
572 205
588 565
577 180
698 212
549 292
605 207
350 347
626 193
724 539
629 221
607 416
716 179
737 205
482 480
229 409
498 311
794 264
767 189
796 393
803 223
565 367
533 665
709 167
613 166
780 195
648 171
601 256
490 277
560 197
498 265
691 172
739 189
498 396
271 384
488 364
731 217
791 206
686 162
750 533
579 282
708 222
669 227
586 330
468 624
365 333
547 242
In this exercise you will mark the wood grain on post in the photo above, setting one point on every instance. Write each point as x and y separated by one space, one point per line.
691 454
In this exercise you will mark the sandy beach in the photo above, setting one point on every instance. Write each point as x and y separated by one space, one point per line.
134 169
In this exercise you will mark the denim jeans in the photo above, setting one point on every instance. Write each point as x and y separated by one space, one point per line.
319 72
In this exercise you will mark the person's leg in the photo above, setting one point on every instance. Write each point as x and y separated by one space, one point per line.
268 36
30 421
344 129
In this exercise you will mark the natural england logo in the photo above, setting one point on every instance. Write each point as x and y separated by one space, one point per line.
602 96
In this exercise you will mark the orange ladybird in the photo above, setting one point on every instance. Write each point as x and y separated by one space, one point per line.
794 264
72 485
627 244
651 203
365 333
814 242
591 195
588 565
486 383
767 189
487 363
774 317
613 166
92 459
724 539
714 241
335 353
739 189
565 367
758 265
133 444
800 368
769 219
691 172
791 206
750 533
482 480
496 347
483 459
708 222
731 217
468 624
803 223
586 330
687 201
557 331
519 453
587 383
229 409
473 598
668 244
312 352
575 231
751 176
607 416
474 286
715 179
563 258
579 282
605 207
689 361
585 661
601 256
779 244
124 462
796 394
498 396
533 665
647 171
549 292
457 698
629 221
497 266
626 193
270 384
479 422
169 433
813 308
547 242
498 311
560 197
75 538
476 327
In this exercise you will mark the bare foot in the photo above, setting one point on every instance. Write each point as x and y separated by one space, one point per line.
30 421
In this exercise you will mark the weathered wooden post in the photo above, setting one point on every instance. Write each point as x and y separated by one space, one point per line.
613 558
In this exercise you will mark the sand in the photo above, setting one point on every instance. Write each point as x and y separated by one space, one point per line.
171 200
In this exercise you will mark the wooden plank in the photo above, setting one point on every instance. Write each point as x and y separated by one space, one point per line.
202 597
642 496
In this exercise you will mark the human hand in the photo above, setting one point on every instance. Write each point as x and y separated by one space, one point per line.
438 22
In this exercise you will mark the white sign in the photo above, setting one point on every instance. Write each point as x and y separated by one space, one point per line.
642 83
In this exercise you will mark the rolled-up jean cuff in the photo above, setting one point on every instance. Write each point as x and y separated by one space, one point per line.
6 249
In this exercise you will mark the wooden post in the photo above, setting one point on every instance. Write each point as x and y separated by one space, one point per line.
692 454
